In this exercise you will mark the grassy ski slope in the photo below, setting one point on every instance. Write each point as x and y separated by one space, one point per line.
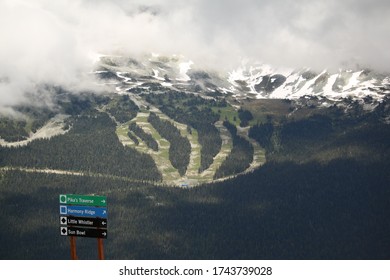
161 157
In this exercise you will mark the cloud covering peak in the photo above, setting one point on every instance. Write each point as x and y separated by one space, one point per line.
48 41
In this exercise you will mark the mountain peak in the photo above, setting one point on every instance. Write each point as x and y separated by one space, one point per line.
246 81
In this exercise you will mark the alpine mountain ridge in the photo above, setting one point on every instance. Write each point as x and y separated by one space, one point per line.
160 73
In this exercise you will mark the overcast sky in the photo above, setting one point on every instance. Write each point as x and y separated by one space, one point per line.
46 41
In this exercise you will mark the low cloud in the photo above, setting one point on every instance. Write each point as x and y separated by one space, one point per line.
54 42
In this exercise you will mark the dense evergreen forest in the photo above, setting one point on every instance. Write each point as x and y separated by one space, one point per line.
29 121
245 117
285 210
11 130
239 158
133 138
122 108
323 138
179 148
263 133
146 137
77 150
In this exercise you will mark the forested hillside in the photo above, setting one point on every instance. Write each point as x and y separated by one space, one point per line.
281 211
179 148
90 146
322 194
239 158
195 112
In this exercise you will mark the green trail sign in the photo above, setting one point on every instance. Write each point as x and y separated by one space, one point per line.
88 200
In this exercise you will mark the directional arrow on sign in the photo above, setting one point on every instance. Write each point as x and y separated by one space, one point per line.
84 232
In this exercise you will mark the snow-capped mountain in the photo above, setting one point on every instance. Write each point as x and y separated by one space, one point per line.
264 82
160 73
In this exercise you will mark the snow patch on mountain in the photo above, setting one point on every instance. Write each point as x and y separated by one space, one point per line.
156 72
334 86
184 67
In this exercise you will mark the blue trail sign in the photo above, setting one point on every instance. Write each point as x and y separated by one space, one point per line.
83 211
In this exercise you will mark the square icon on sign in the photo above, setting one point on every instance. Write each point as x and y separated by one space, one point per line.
63 210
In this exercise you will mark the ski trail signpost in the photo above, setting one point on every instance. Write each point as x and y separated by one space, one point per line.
83 216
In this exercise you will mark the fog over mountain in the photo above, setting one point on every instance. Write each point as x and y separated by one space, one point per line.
56 42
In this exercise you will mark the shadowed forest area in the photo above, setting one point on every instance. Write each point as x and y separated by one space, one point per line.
337 210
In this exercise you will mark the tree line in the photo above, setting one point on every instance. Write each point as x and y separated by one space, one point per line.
146 137
180 147
122 108
240 156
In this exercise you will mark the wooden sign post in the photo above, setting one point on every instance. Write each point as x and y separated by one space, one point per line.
73 254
